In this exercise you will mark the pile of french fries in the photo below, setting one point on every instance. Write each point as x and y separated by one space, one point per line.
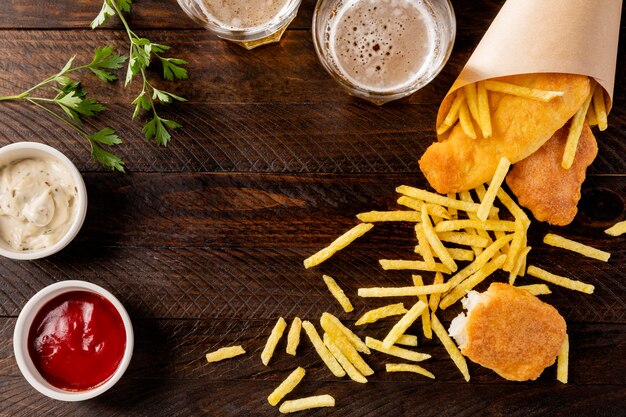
481 237
471 105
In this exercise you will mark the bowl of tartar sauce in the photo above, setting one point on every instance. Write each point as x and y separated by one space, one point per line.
43 201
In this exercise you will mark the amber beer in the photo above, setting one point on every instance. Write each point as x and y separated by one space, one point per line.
250 23
383 49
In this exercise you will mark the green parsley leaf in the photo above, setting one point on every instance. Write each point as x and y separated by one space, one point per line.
171 70
105 13
108 159
106 136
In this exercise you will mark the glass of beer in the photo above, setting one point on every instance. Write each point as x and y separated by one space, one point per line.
383 50
249 23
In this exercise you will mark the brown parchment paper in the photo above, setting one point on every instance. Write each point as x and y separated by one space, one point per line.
536 36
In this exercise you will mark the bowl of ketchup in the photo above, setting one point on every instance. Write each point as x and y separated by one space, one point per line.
73 340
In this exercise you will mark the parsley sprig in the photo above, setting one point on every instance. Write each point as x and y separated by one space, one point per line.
72 99
142 51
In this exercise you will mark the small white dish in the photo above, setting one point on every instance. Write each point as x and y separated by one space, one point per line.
22 329
23 150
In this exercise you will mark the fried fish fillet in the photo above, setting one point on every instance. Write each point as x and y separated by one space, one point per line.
520 127
510 331
543 186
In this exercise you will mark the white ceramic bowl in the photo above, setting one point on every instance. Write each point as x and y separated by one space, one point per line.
22 150
22 328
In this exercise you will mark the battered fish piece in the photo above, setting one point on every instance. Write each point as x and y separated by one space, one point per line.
543 186
510 331
520 127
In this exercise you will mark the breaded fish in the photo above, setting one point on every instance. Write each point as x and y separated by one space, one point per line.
520 127
543 186
511 331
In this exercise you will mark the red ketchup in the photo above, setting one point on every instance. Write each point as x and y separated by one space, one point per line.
77 340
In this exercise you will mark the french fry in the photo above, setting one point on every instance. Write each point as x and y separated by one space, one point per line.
424 246
272 341
407 340
588 251
516 245
286 386
405 322
519 265
338 293
443 128
464 239
519 91
402 291
513 208
480 261
293 337
441 200
428 333
617 229
494 186
493 225
466 121
453 113
450 346
476 278
352 337
307 403
345 346
575 130
352 372
452 211
224 353
380 313
406 354
435 243
483 110
433 301
481 192
563 361
466 196
338 244
599 107
537 289
415 204
408 367
591 118
456 253
322 350
472 101
389 216
399 264
559 280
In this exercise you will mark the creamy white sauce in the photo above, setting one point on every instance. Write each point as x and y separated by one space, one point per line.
37 203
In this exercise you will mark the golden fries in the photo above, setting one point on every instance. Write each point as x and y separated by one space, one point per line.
516 245
428 333
494 186
293 337
483 110
406 354
423 246
380 313
389 216
559 280
433 301
588 251
599 107
493 225
435 243
408 367
286 386
466 121
476 278
352 372
407 340
350 335
537 289
405 322
464 239
224 353
398 264
519 268
617 229
272 341
513 208
338 244
307 403
338 293
472 101
450 346
322 350
563 361
453 113
346 347
575 131
402 291
441 200
519 91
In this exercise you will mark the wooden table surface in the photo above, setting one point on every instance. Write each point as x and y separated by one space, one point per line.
203 241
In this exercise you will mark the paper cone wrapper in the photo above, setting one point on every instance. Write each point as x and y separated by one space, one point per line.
539 36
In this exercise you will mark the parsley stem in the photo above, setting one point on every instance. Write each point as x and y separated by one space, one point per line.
64 120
